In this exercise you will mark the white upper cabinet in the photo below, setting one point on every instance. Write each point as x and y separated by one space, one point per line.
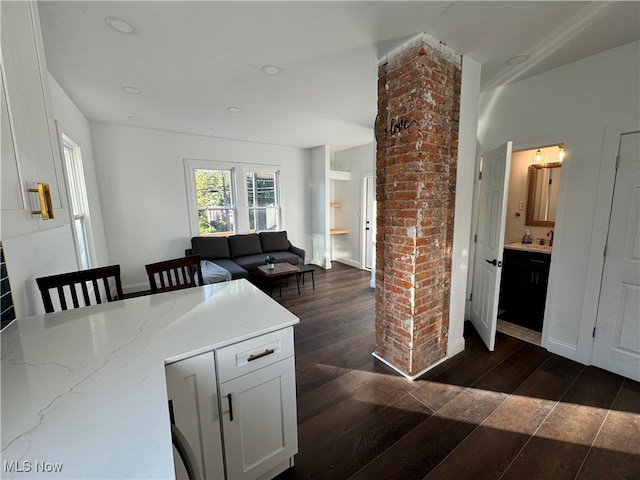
30 151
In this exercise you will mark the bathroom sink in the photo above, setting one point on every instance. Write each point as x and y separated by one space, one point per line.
530 247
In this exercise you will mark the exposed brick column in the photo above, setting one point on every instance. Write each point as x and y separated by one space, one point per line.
417 147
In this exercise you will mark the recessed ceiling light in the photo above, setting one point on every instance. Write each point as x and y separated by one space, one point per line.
271 70
136 118
518 59
233 109
120 25
132 90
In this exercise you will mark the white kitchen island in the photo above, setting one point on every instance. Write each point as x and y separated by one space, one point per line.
84 392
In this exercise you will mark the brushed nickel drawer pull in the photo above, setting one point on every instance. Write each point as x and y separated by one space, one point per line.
536 261
252 357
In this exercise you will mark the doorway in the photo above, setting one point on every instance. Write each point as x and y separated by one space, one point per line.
514 229
532 204
369 221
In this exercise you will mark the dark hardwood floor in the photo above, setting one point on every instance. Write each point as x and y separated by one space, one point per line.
518 412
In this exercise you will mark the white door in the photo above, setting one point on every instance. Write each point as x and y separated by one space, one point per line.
369 221
487 265
616 344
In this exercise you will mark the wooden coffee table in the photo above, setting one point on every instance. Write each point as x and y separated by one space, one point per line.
281 271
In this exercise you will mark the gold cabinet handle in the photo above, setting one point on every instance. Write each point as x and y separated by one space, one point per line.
46 205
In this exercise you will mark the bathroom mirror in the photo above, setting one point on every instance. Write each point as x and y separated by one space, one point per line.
542 197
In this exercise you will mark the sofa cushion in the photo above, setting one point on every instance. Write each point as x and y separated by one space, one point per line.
232 267
242 245
287 257
251 262
210 248
274 241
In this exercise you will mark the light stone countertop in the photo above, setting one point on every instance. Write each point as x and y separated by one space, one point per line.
530 247
85 388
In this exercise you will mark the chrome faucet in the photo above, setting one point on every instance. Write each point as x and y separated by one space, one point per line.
550 234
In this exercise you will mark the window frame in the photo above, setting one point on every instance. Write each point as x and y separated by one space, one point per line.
77 199
191 166
231 208
278 196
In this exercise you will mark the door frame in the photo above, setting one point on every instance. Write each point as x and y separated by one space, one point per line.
518 147
604 353
363 221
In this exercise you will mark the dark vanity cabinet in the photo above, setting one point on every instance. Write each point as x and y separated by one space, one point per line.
523 290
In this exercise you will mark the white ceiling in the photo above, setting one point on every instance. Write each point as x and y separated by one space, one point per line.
193 60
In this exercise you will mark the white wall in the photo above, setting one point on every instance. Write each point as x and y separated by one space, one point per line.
463 213
72 123
319 194
358 161
573 105
142 188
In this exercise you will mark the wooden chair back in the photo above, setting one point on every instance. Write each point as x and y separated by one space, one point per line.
175 274
92 284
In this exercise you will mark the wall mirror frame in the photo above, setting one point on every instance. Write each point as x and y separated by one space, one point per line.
541 197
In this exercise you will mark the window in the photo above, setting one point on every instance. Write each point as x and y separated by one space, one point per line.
78 203
214 201
263 201
225 198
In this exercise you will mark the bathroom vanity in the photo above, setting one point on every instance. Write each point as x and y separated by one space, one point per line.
523 289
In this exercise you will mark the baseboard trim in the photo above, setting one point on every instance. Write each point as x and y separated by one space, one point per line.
455 347
405 375
346 261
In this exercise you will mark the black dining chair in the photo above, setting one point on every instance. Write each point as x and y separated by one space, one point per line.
93 286
176 274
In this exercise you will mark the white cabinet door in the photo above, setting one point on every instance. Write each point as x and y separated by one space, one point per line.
36 155
10 174
259 420
191 386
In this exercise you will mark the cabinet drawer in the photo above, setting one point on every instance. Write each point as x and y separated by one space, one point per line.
526 259
244 357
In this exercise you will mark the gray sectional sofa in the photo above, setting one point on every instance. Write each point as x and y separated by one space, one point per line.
241 255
